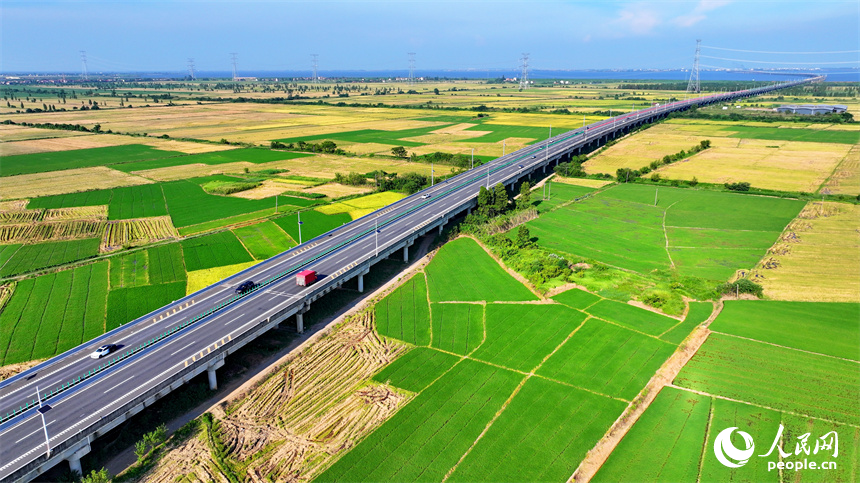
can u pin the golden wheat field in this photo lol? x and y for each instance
(66, 181)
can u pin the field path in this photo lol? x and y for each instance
(666, 235)
(595, 458)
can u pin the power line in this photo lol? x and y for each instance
(234, 59)
(411, 68)
(84, 64)
(315, 64)
(693, 85)
(787, 53)
(524, 76)
(782, 62)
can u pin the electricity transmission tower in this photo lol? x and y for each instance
(191, 68)
(411, 68)
(693, 84)
(234, 59)
(84, 64)
(315, 64)
(524, 76)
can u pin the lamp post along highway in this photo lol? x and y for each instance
(376, 233)
(43, 408)
(300, 227)
(473, 158)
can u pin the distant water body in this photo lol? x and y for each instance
(834, 75)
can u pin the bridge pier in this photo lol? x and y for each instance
(406, 251)
(300, 322)
(75, 460)
(210, 371)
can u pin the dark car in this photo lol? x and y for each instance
(245, 286)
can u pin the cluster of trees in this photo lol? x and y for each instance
(739, 186)
(351, 179)
(765, 116)
(572, 169)
(327, 147)
(625, 175)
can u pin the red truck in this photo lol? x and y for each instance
(306, 277)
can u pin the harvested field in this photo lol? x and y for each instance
(268, 189)
(59, 140)
(21, 216)
(127, 233)
(13, 205)
(846, 177)
(815, 259)
(97, 212)
(337, 190)
(303, 416)
(588, 183)
(66, 181)
(10, 133)
(50, 231)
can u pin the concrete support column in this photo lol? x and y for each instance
(300, 322)
(361, 283)
(406, 250)
(75, 465)
(441, 227)
(213, 381)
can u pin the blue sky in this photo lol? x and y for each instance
(143, 35)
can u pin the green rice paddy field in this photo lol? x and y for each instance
(704, 234)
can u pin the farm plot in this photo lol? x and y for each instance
(849, 450)
(215, 250)
(127, 304)
(129, 270)
(165, 263)
(426, 438)
(188, 204)
(484, 280)
(51, 231)
(577, 299)
(697, 314)
(358, 207)
(136, 202)
(71, 200)
(846, 177)
(541, 436)
(264, 240)
(632, 317)
(80, 158)
(457, 328)
(200, 279)
(6, 252)
(558, 193)
(98, 212)
(780, 378)
(404, 314)
(250, 155)
(313, 225)
(816, 258)
(52, 313)
(623, 227)
(762, 424)
(126, 233)
(607, 359)
(520, 336)
(416, 369)
(665, 444)
(43, 255)
(824, 328)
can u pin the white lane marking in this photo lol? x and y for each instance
(233, 320)
(183, 348)
(118, 384)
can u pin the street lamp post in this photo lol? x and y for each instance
(300, 227)
(43, 408)
(473, 158)
(376, 230)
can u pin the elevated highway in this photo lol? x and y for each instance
(166, 348)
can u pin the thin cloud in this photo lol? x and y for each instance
(698, 13)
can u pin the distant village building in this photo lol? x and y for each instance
(811, 109)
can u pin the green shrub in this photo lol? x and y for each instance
(303, 194)
(229, 187)
(743, 285)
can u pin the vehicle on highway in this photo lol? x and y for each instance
(103, 351)
(534, 156)
(424, 197)
(245, 286)
(306, 277)
(521, 166)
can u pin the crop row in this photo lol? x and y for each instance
(49, 254)
(51, 230)
(404, 314)
(123, 233)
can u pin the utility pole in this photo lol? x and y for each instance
(234, 59)
(503, 147)
(693, 85)
(524, 76)
(411, 68)
(656, 190)
(299, 214)
(84, 65)
(432, 174)
(315, 65)
(191, 68)
(473, 158)
(376, 230)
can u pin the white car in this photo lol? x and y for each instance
(102, 351)
(424, 197)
